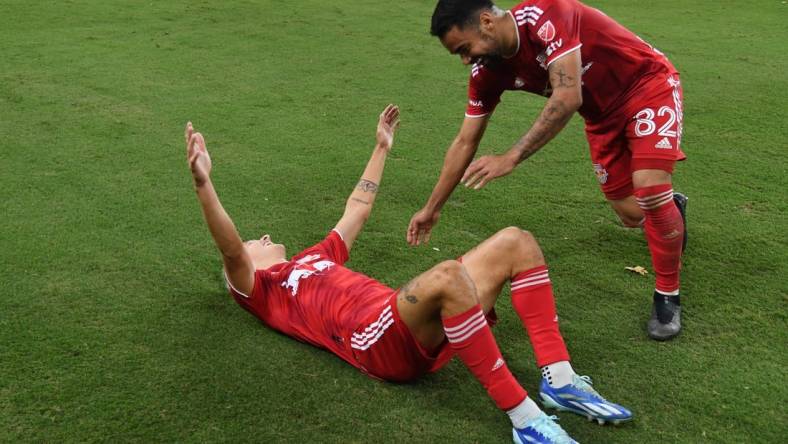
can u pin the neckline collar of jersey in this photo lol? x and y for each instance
(516, 32)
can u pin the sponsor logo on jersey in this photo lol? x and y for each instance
(528, 14)
(518, 82)
(476, 103)
(664, 144)
(475, 69)
(553, 47)
(601, 173)
(305, 267)
(542, 59)
(547, 32)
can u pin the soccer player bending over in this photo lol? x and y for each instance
(399, 335)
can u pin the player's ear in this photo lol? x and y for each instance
(486, 22)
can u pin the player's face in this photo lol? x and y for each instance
(264, 252)
(472, 45)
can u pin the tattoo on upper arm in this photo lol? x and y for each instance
(412, 299)
(560, 79)
(367, 186)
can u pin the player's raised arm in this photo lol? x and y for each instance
(457, 158)
(565, 100)
(359, 204)
(237, 262)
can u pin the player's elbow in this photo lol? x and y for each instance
(464, 144)
(570, 100)
(575, 100)
(358, 208)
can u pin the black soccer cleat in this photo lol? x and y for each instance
(681, 203)
(665, 322)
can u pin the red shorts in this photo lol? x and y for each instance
(385, 349)
(644, 134)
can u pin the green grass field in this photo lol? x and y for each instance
(114, 323)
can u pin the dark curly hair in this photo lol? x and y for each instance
(460, 13)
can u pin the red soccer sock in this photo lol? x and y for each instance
(664, 230)
(471, 339)
(532, 298)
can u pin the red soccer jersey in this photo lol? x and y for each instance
(314, 298)
(614, 59)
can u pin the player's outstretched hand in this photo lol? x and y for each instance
(197, 156)
(421, 225)
(387, 126)
(486, 168)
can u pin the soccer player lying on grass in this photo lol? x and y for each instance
(399, 335)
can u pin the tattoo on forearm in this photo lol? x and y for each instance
(367, 186)
(553, 118)
(359, 200)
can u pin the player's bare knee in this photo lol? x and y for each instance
(522, 245)
(454, 284)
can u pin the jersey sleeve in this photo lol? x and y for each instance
(554, 27)
(332, 247)
(484, 92)
(241, 298)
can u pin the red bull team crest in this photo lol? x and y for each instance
(601, 173)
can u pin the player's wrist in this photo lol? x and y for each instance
(514, 155)
(380, 146)
(201, 183)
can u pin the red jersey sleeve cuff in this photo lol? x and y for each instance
(341, 247)
(475, 116)
(561, 54)
(234, 290)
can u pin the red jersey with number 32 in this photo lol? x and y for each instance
(314, 298)
(614, 59)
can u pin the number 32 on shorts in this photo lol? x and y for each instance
(645, 125)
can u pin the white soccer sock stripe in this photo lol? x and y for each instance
(531, 284)
(656, 204)
(658, 196)
(533, 277)
(656, 200)
(454, 330)
(467, 333)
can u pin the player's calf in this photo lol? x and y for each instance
(664, 229)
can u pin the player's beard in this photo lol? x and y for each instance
(493, 58)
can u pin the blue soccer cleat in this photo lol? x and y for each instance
(542, 430)
(579, 397)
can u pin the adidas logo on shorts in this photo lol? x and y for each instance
(664, 144)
